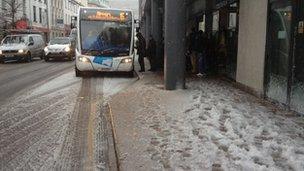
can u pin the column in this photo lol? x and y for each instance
(148, 25)
(143, 26)
(209, 16)
(175, 38)
(156, 29)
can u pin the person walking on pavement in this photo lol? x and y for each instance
(202, 49)
(151, 53)
(193, 49)
(141, 50)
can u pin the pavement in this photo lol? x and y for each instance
(209, 126)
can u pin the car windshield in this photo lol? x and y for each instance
(105, 38)
(14, 40)
(60, 41)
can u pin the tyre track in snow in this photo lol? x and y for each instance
(32, 124)
(22, 146)
(78, 152)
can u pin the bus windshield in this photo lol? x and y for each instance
(105, 38)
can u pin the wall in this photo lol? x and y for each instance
(252, 44)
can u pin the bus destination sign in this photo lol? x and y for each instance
(106, 15)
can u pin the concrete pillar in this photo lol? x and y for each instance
(148, 25)
(143, 27)
(156, 28)
(175, 38)
(209, 15)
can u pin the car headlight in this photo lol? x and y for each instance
(20, 51)
(126, 60)
(83, 59)
(67, 49)
(46, 49)
(0, 52)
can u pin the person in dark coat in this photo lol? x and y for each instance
(141, 51)
(202, 52)
(193, 47)
(151, 53)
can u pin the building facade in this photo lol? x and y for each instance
(52, 18)
(98, 3)
(70, 11)
(37, 15)
(257, 44)
(61, 16)
(31, 14)
(56, 18)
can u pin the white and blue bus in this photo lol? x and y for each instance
(104, 41)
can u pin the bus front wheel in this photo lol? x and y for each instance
(78, 73)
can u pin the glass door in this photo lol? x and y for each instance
(278, 50)
(297, 87)
(232, 41)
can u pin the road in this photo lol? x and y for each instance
(51, 120)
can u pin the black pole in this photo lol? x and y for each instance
(175, 38)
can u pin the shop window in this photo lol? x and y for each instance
(215, 23)
(234, 5)
(232, 20)
(201, 24)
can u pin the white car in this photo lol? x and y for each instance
(60, 48)
(21, 47)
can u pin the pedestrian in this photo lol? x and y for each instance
(222, 51)
(201, 51)
(141, 50)
(193, 49)
(151, 53)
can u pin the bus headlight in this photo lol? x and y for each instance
(126, 60)
(67, 49)
(20, 51)
(0, 52)
(83, 59)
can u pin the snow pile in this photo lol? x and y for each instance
(114, 85)
(215, 126)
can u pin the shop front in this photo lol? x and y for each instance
(225, 33)
(284, 72)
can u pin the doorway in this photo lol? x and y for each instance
(225, 28)
(284, 62)
(297, 81)
(279, 49)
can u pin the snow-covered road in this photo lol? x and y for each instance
(54, 122)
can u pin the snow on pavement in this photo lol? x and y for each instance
(214, 126)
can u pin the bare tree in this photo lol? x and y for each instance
(10, 11)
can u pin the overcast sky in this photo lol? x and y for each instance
(125, 4)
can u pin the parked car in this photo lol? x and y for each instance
(60, 48)
(21, 47)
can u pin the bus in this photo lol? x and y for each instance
(104, 41)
